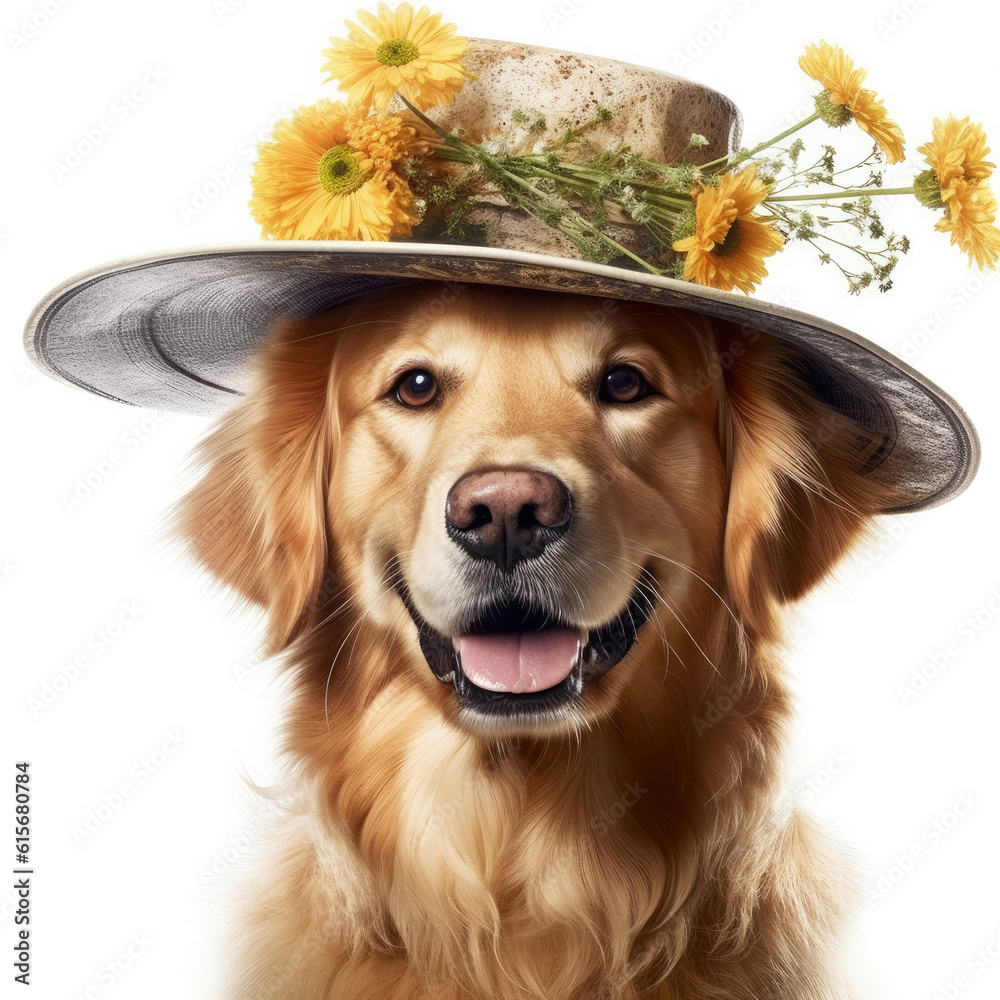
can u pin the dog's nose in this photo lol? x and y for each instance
(507, 514)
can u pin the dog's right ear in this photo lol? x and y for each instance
(257, 518)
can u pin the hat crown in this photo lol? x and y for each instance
(523, 99)
(654, 112)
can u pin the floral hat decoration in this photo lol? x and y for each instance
(471, 160)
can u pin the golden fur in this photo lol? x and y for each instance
(640, 848)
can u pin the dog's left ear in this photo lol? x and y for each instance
(804, 450)
(257, 518)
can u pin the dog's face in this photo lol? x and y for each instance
(539, 499)
(530, 476)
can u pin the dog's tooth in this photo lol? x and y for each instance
(576, 674)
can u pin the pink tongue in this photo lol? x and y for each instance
(518, 661)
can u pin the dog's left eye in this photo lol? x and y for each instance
(623, 384)
(416, 388)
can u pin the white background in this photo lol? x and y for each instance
(179, 675)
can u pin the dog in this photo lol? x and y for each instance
(524, 554)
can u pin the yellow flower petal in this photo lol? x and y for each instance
(969, 218)
(399, 50)
(830, 66)
(327, 174)
(957, 152)
(728, 247)
(870, 114)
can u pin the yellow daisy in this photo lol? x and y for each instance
(969, 217)
(957, 152)
(834, 69)
(728, 247)
(327, 174)
(412, 53)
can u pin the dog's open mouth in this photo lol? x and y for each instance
(517, 660)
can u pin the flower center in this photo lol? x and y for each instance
(339, 172)
(730, 243)
(396, 52)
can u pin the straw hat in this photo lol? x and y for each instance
(175, 330)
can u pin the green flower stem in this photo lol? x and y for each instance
(658, 195)
(469, 154)
(580, 185)
(657, 192)
(764, 145)
(664, 200)
(783, 135)
(586, 177)
(853, 193)
(855, 249)
(678, 201)
(446, 136)
(579, 219)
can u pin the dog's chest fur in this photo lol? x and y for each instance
(465, 870)
(486, 860)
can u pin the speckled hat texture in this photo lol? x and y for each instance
(655, 114)
(176, 330)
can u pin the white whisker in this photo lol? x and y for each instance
(392, 564)
(329, 676)
(646, 589)
(693, 572)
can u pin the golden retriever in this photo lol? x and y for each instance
(525, 553)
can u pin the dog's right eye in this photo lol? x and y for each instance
(623, 384)
(416, 388)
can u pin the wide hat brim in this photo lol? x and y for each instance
(176, 331)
